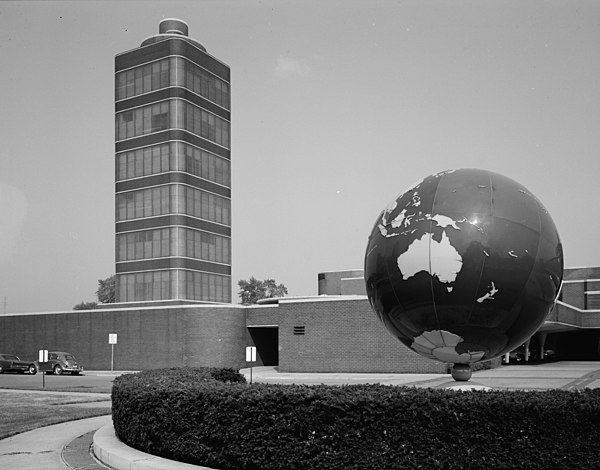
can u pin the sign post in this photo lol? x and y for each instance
(112, 340)
(43, 357)
(250, 357)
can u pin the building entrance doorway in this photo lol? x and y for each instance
(266, 340)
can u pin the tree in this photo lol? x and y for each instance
(106, 290)
(86, 306)
(252, 290)
(274, 290)
(105, 294)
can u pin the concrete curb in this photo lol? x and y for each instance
(110, 451)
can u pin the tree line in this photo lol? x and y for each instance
(251, 291)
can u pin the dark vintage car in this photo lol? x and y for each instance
(58, 362)
(12, 363)
(518, 356)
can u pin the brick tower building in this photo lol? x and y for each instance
(172, 171)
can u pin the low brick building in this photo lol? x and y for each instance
(147, 337)
(335, 331)
(325, 334)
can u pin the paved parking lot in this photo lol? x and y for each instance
(541, 376)
(89, 381)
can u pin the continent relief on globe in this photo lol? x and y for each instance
(424, 253)
(441, 345)
(442, 261)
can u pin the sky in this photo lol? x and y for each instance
(337, 106)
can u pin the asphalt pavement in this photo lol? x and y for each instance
(540, 376)
(67, 445)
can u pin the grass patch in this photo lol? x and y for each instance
(57, 384)
(22, 411)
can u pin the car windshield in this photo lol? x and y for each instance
(69, 357)
(10, 357)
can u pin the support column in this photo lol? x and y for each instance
(542, 337)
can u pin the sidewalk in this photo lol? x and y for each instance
(52, 446)
(42, 448)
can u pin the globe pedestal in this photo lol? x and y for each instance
(461, 372)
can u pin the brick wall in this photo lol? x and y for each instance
(330, 283)
(573, 293)
(591, 272)
(353, 286)
(215, 337)
(581, 288)
(148, 338)
(342, 335)
(262, 315)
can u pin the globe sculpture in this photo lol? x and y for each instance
(463, 267)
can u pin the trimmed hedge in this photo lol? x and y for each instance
(212, 418)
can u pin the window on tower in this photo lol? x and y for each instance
(143, 120)
(145, 78)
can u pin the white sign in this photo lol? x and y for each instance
(112, 338)
(43, 355)
(251, 354)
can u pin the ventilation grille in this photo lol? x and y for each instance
(299, 330)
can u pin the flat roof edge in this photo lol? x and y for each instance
(118, 309)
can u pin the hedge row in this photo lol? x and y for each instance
(194, 416)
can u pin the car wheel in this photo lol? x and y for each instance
(74, 373)
(32, 369)
(58, 370)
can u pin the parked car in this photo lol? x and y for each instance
(12, 363)
(58, 362)
(518, 355)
